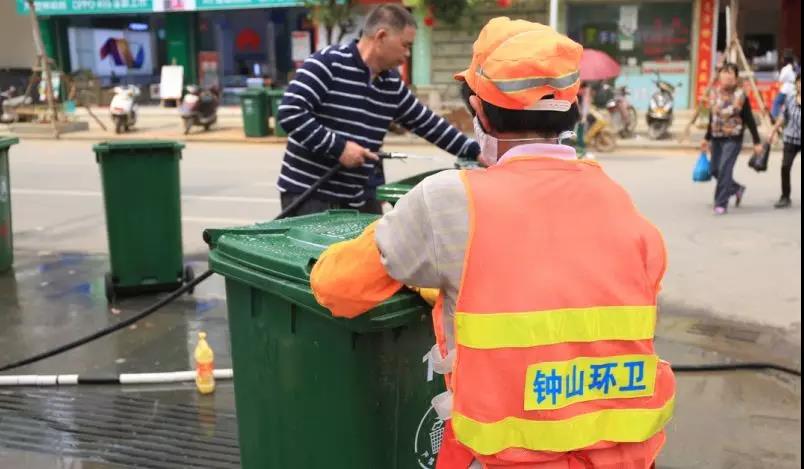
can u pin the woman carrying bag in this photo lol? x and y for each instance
(791, 119)
(730, 114)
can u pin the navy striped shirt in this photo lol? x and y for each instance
(332, 99)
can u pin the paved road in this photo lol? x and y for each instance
(745, 266)
(732, 293)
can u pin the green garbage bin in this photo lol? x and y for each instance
(313, 391)
(275, 99)
(253, 102)
(141, 194)
(6, 233)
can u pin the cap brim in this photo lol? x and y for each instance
(461, 76)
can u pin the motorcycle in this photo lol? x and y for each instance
(199, 108)
(123, 108)
(622, 114)
(660, 110)
(9, 102)
(600, 135)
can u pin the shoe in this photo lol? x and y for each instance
(720, 210)
(739, 196)
(784, 202)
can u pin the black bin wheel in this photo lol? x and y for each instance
(189, 276)
(111, 297)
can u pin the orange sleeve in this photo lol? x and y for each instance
(349, 278)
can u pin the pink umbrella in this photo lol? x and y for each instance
(597, 65)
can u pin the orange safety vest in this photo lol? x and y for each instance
(555, 319)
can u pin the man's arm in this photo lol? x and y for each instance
(352, 277)
(297, 111)
(422, 121)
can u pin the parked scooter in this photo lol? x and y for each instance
(660, 109)
(123, 108)
(199, 107)
(600, 135)
(622, 114)
(9, 102)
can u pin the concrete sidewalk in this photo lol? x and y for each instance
(156, 122)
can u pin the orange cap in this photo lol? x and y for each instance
(516, 63)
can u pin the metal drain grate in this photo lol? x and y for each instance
(118, 429)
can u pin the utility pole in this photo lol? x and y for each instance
(44, 64)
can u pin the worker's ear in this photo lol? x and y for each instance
(477, 105)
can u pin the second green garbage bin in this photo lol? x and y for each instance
(313, 391)
(253, 102)
(6, 232)
(141, 193)
(274, 100)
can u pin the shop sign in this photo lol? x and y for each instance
(706, 53)
(85, 7)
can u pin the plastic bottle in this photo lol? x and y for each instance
(204, 365)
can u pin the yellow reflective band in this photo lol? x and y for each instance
(554, 385)
(531, 329)
(581, 431)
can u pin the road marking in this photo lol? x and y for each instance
(189, 198)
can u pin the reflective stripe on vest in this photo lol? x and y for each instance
(498, 330)
(556, 314)
(620, 425)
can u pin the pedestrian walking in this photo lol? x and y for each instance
(729, 115)
(791, 137)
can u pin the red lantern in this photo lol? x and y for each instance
(429, 21)
(503, 3)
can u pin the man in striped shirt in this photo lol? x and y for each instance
(338, 109)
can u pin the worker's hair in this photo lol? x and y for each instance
(388, 16)
(509, 120)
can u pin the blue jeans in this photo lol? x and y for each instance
(724, 156)
(778, 102)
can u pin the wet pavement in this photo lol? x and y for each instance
(741, 302)
(743, 419)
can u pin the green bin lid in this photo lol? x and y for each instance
(274, 92)
(278, 257)
(393, 191)
(253, 92)
(6, 142)
(136, 146)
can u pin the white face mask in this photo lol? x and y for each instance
(488, 144)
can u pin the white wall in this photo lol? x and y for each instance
(16, 40)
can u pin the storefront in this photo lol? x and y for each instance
(229, 43)
(649, 39)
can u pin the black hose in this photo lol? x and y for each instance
(708, 368)
(116, 327)
(289, 210)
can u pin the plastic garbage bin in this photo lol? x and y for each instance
(6, 233)
(275, 99)
(253, 103)
(313, 391)
(141, 194)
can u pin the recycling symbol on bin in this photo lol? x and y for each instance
(428, 440)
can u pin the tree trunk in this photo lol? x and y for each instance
(44, 63)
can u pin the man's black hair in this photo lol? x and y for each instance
(509, 120)
(389, 16)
